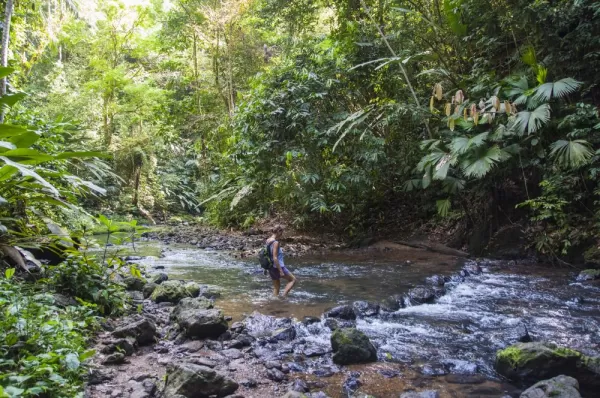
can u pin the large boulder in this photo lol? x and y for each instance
(192, 289)
(159, 278)
(558, 387)
(342, 312)
(148, 289)
(532, 362)
(196, 381)
(421, 295)
(141, 329)
(365, 308)
(197, 318)
(352, 346)
(169, 292)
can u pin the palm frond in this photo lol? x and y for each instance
(531, 121)
(479, 166)
(557, 89)
(571, 154)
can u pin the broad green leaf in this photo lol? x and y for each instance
(86, 355)
(72, 361)
(27, 156)
(70, 155)
(13, 391)
(9, 273)
(6, 172)
(5, 71)
(8, 130)
(25, 140)
(11, 99)
(27, 172)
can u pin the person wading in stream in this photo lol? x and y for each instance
(278, 270)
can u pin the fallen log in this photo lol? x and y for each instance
(433, 247)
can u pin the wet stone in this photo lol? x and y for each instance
(300, 386)
(435, 280)
(309, 320)
(388, 373)
(351, 384)
(365, 309)
(314, 350)
(345, 312)
(273, 365)
(248, 383)
(116, 358)
(324, 371)
(203, 361)
(275, 375)
(232, 353)
(465, 379)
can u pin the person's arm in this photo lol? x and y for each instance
(274, 253)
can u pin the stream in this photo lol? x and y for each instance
(456, 335)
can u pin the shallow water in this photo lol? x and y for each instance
(458, 334)
(323, 280)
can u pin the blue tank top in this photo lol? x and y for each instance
(279, 254)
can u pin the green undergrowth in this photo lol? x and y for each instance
(43, 346)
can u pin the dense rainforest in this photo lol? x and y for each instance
(475, 121)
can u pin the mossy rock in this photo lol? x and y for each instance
(589, 275)
(352, 346)
(169, 291)
(533, 362)
(192, 289)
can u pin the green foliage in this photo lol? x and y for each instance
(43, 346)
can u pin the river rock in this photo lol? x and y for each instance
(294, 394)
(125, 345)
(300, 386)
(472, 268)
(284, 334)
(192, 289)
(342, 312)
(352, 346)
(558, 387)
(197, 318)
(420, 394)
(421, 295)
(275, 375)
(309, 320)
(148, 289)
(116, 358)
(142, 330)
(170, 292)
(364, 308)
(435, 280)
(159, 278)
(209, 292)
(392, 303)
(133, 283)
(532, 362)
(588, 275)
(196, 381)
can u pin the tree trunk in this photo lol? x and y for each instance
(5, 40)
(136, 185)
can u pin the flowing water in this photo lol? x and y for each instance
(458, 334)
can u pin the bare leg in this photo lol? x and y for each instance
(276, 286)
(291, 282)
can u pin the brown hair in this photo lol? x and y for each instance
(277, 228)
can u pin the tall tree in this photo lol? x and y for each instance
(8, 11)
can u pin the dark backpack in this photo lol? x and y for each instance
(265, 257)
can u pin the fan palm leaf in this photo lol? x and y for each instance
(571, 154)
(482, 163)
(531, 121)
(557, 89)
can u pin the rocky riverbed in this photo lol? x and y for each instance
(438, 338)
(244, 244)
